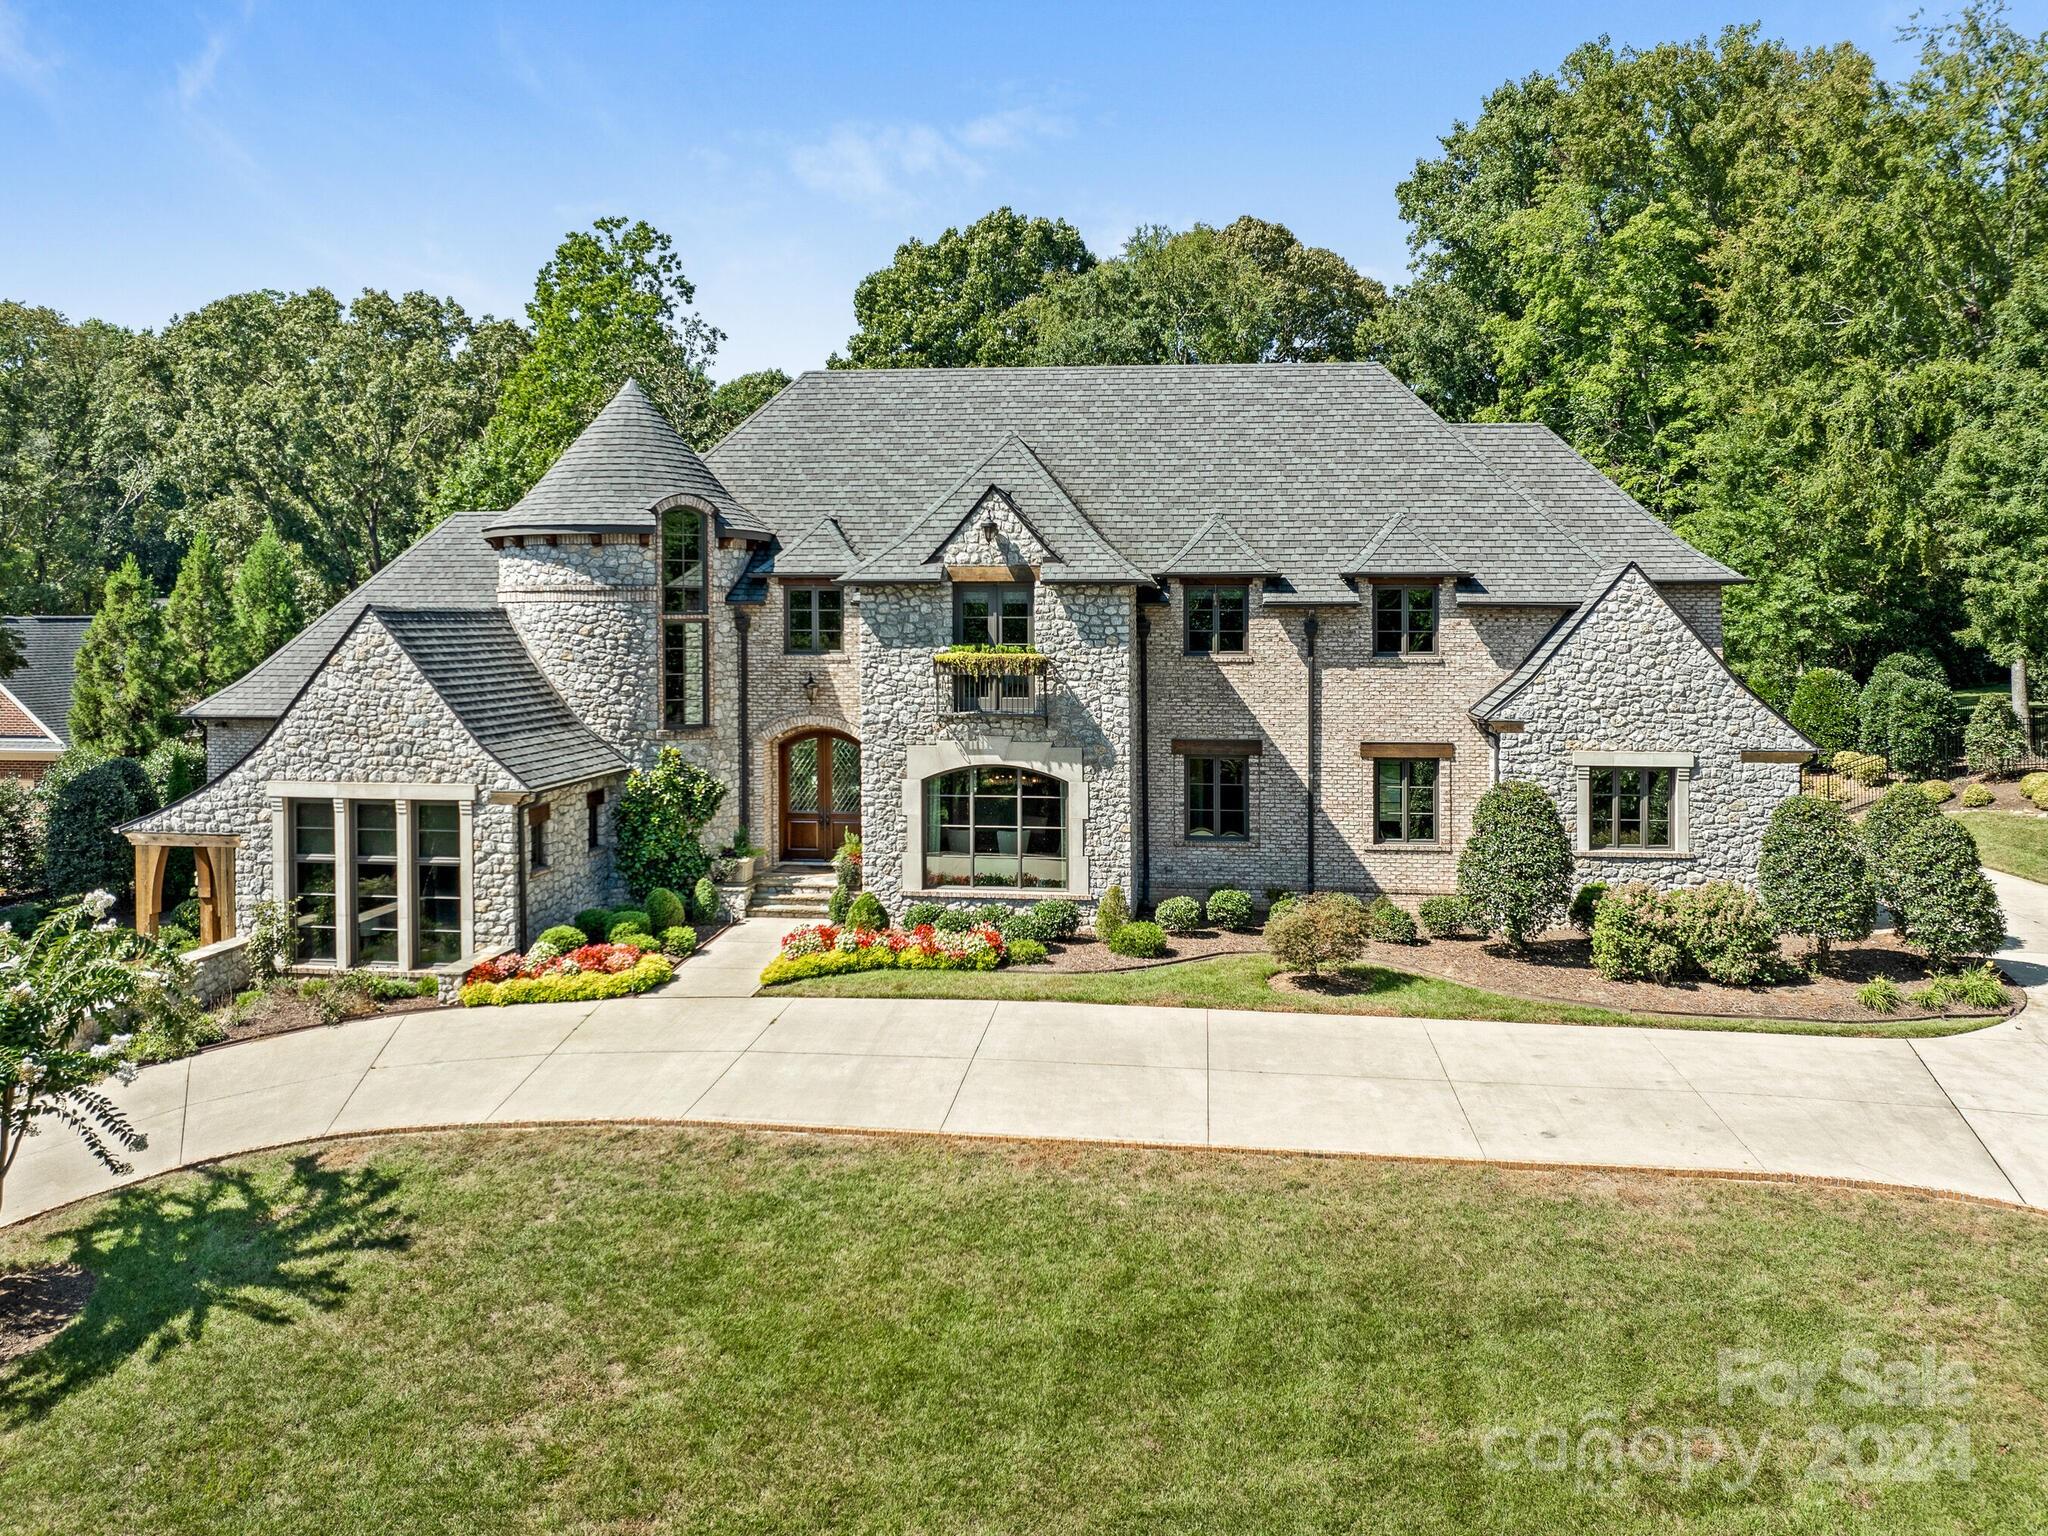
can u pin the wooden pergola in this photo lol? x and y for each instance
(214, 855)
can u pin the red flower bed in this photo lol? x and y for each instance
(609, 959)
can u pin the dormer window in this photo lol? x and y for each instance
(1403, 621)
(1216, 620)
(685, 619)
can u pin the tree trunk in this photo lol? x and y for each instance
(2019, 696)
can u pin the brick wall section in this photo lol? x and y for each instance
(1263, 695)
(781, 707)
(229, 741)
(1699, 604)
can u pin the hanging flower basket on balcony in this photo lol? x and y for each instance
(991, 660)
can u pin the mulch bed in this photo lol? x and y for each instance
(2005, 795)
(35, 1305)
(285, 1013)
(1559, 969)
(1088, 954)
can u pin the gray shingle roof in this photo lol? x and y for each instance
(49, 666)
(1314, 459)
(1076, 548)
(1599, 513)
(475, 660)
(821, 550)
(1399, 550)
(620, 468)
(1217, 549)
(452, 567)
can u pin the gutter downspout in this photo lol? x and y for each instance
(1143, 880)
(1309, 626)
(742, 621)
(519, 872)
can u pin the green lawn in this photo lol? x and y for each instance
(2010, 841)
(635, 1329)
(1240, 981)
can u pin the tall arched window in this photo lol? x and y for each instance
(995, 826)
(685, 619)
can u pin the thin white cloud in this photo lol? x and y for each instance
(19, 61)
(886, 168)
(195, 75)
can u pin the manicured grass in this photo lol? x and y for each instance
(2010, 841)
(668, 1328)
(1241, 981)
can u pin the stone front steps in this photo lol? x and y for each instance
(797, 893)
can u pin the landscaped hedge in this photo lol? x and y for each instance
(1231, 909)
(1718, 929)
(1179, 914)
(1138, 941)
(650, 970)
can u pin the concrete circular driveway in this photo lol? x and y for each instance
(1967, 1114)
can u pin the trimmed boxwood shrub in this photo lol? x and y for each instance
(81, 849)
(1056, 918)
(1895, 813)
(585, 986)
(1027, 952)
(1823, 708)
(1994, 741)
(1814, 874)
(1389, 923)
(627, 920)
(1926, 728)
(953, 920)
(1111, 913)
(1179, 914)
(1939, 791)
(1724, 931)
(593, 923)
(2034, 788)
(1874, 710)
(839, 906)
(1636, 935)
(991, 914)
(922, 913)
(665, 910)
(1138, 940)
(564, 937)
(1977, 796)
(705, 900)
(867, 912)
(1230, 909)
(1315, 932)
(1443, 917)
(1586, 905)
(1515, 872)
(679, 942)
(1021, 923)
(1947, 910)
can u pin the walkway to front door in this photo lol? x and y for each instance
(820, 794)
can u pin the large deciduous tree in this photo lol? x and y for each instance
(611, 304)
(733, 402)
(962, 300)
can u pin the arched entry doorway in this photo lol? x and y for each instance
(820, 793)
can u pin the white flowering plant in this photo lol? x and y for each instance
(74, 995)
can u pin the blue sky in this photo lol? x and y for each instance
(155, 157)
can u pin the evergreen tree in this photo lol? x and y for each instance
(267, 610)
(121, 702)
(199, 624)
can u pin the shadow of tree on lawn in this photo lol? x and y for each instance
(170, 1257)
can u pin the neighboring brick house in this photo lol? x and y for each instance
(1278, 627)
(35, 699)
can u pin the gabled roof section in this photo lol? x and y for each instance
(1592, 508)
(1077, 550)
(476, 662)
(451, 567)
(624, 466)
(1399, 549)
(1217, 549)
(820, 550)
(21, 731)
(41, 685)
(1309, 589)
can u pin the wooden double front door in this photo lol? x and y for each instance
(820, 794)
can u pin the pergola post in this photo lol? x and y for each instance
(213, 859)
(150, 859)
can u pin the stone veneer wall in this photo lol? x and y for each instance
(1262, 695)
(1086, 630)
(368, 716)
(1632, 678)
(577, 876)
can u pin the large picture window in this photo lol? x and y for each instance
(995, 826)
(1219, 799)
(816, 621)
(437, 880)
(992, 613)
(313, 894)
(1216, 620)
(1630, 807)
(685, 619)
(1404, 621)
(1404, 794)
